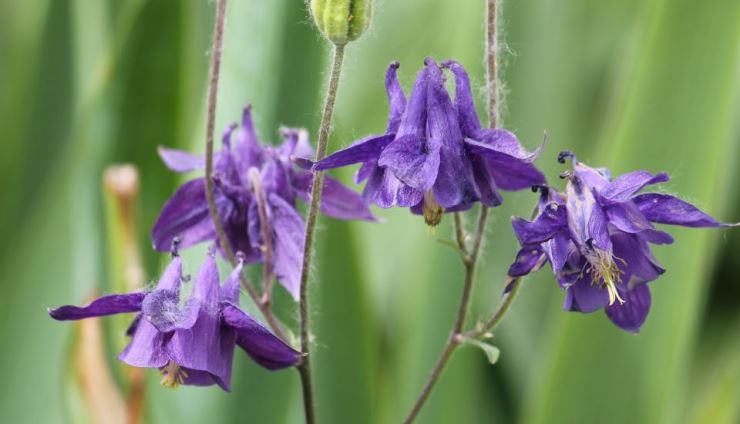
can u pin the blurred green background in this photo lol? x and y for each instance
(624, 83)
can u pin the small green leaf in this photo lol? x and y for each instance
(491, 351)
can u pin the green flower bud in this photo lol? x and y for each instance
(341, 21)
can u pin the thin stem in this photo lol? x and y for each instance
(470, 259)
(460, 234)
(259, 194)
(471, 262)
(218, 36)
(503, 309)
(432, 380)
(454, 341)
(491, 63)
(313, 211)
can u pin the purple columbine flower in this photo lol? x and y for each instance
(596, 237)
(186, 215)
(434, 156)
(191, 343)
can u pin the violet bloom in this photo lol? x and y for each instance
(186, 215)
(596, 237)
(190, 343)
(434, 156)
(382, 188)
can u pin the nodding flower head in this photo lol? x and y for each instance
(597, 237)
(434, 156)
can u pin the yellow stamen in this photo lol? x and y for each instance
(432, 211)
(604, 270)
(172, 375)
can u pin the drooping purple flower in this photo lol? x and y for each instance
(191, 343)
(186, 215)
(382, 188)
(434, 156)
(596, 237)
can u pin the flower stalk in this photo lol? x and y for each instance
(218, 35)
(259, 194)
(471, 254)
(313, 211)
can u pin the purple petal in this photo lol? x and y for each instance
(667, 209)
(162, 309)
(396, 98)
(204, 378)
(636, 261)
(248, 152)
(258, 342)
(172, 276)
(413, 160)
(338, 201)
(185, 215)
(509, 172)
(597, 178)
(625, 186)
(102, 306)
(543, 228)
(385, 190)
(485, 183)
(278, 177)
(454, 183)
(558, 251)
(628, 218)
(295, 148)
(588, 297)
(528, 260)
(147, 347)
(411, 157)
(162, 306)
(288, 229)
(205, 347)
(363, 150)
(414, 119)
(179, 160)
(506, 142)
(133, 326)
(464, 104)
(230, 288)
(206, 287)
(632, 314)
(365, 170)
(586, 219)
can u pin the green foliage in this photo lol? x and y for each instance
(627, 84)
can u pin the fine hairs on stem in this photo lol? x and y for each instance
(218, 36)
(471, 254)
(313, 211)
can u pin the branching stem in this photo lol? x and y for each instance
(218, 36)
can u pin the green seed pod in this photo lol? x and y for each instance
(341, 21)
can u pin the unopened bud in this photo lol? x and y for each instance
(341, 21)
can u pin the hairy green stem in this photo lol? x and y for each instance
(313, 212)
(218, 37)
